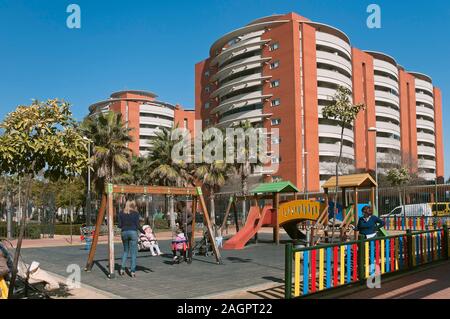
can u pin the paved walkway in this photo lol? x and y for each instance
(431, 283)
(258, 264)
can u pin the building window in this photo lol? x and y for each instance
(185, 123)
(275, 102)
(274, 64)
(207, 89)
(206, 105)
(274, 46)
(275, 83)
(206, 122)
(276, 121)
(207, 74)
(276, 140)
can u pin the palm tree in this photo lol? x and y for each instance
(165, 170)
(246, 165)
(110, 137)
(213, 176)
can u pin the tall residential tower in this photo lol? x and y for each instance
(280, 71)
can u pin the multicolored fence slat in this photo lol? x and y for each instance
(332, 265)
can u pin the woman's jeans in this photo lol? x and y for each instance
(129, 240)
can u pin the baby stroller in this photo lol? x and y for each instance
(203, 247)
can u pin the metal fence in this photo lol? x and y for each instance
(416, 222)
(329, 266)
(391, 198)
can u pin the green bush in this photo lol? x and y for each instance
(161, 224)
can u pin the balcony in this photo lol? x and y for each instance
(388, 127)
(155, 121)
(425, 137)
(386, 67)
(424, 85)
(334, 59)
(387, 97)
(334, 77)
(382, 80)
(387, 142)
(334, 131)
(326, 149)
(238, 66)
(387, 112)
(334, 42)
(425, 124)
(423, 110)
(421, 97)
(240, 83)
(422, 163)
(427, 176)
(426, 150)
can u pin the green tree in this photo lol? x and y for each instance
(165, 170)
(42, 137)
(245, 162)
(398, 178)
(342, 110)
(110, 137)
(213, 176)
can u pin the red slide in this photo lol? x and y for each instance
(252, 226)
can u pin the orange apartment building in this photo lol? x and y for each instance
(279, 71)
(145, 115)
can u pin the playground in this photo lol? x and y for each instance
(296, 244)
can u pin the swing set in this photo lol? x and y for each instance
(107, 206)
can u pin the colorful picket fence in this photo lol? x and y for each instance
(416, 223)
(318, 268)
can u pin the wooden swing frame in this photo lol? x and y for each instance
(107, 206)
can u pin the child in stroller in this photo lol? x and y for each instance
(179, 245)
(148, 242)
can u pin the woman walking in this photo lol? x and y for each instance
(129, 224)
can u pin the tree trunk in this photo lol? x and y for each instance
(336, 193)
(172, 213)
(212, 211)
(9, 217)
(244, 178)
(19, 241)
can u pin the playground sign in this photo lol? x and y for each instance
(298, 209)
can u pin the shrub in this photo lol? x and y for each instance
(161, 224)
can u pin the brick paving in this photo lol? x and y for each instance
(431, 283)
(257, 264)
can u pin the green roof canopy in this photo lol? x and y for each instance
(278, 187)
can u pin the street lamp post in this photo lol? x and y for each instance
(374, 129)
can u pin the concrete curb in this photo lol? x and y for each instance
(105, 294)
(220, 295)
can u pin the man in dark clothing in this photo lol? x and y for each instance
(184, 220)
(368, 225)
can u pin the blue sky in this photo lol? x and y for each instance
(153, 45)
